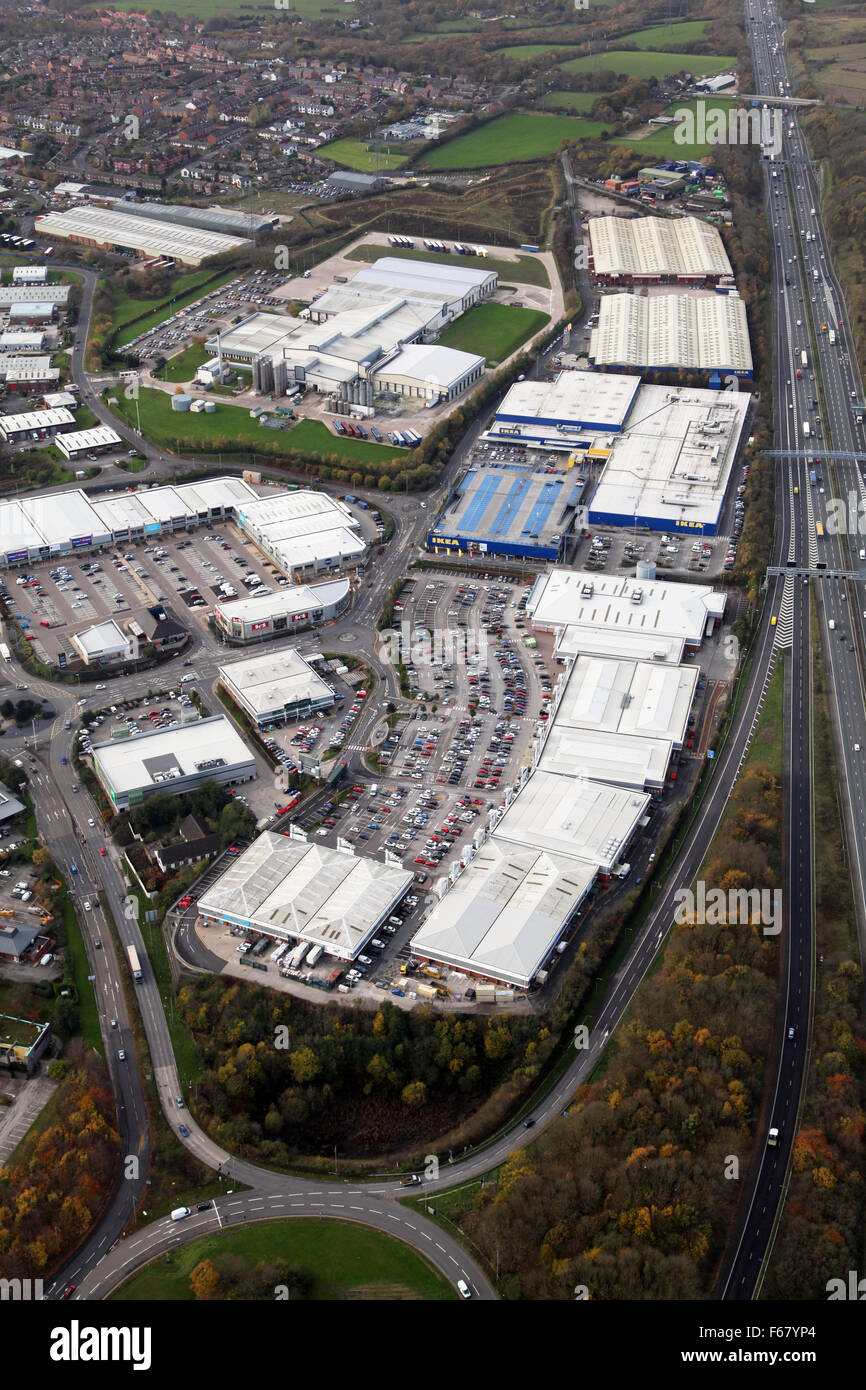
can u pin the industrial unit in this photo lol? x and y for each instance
(501, 916)
(35, 424)
(667, 332)
(112, 230)
(24, 376)
(367, 337)
(664, 250)
(290, 889)
(172, 760)
(276, 689)
(26, 292)
(292, 609)
(99, 440)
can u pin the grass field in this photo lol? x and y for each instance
(649, 64)
(345, 1261)
(493, 331)
(185, 290)
(534, 50)
(570, 101)
(509, 138)
(667, 36)
(184, 366)
(525, 270)
(230, 428)
(355, 154)
(661, 143)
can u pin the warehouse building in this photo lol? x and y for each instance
(21, 293)
(22, 340)
(504, 914)
(567, 413)
(618, 721)
(30, 275)
(506, 511)
(675, 333)
(671, 468)
(276, 689)
(99, 440)
(103, 644)
(246, 225)
(172, 760)
(25, 376)
(304, 533)
(656, 250)
(35, 424)
(292, 890)
(292, 609)
(31, 313)
(368, 335)
(111, 230)
(428, 373)
(577, 601)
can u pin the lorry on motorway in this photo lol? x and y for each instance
(134, 963)
(804, 358)
(5, 652)
(832, 336)
(813, 477)
(806, 428)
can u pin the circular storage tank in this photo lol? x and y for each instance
(210, 407)
(646, 569)
(181, 402)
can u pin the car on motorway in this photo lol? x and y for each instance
(528, 1124)
(121, 1055)
(103, 851)
(87, 905)
(463, 1289)
(69, 1290)
(183, 1131)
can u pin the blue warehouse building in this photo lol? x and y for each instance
(507, 511)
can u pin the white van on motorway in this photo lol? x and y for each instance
(179, 1213)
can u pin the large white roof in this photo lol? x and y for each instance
(103, 226)
(645, 698)
(573, 817)
(267, 683)
(99, 437)
(35, 420)
(589, 400)
(651, 247)
(61, 517)
(673, 463)
(641, 646)
(706, 332)
(295, 598)
(451, 281)
(665, 610)
(621, 759)
(294, 888)
(154, 759)
(505, 912)
(441, 367)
